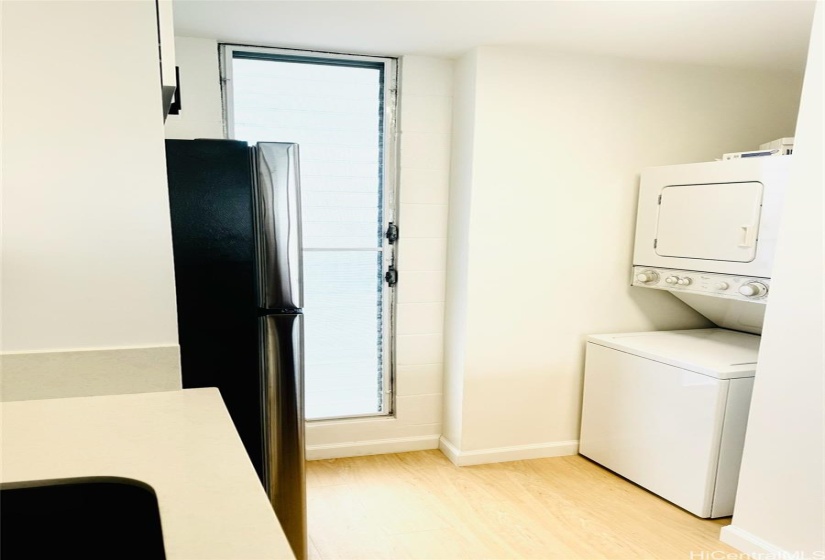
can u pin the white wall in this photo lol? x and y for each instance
(425, 107)
(87, 252)
(558, 141)
(461, 185)
(780, 505)
(200, 117)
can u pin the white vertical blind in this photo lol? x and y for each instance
(333, 112)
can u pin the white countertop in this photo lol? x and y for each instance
(181, 443)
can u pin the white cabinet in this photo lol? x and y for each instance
(166, 43)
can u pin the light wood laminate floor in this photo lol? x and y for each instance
(419, 505)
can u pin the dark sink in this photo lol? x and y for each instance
(89, 519)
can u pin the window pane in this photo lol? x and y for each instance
(334, 113)
(343, 332)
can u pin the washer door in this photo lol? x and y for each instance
(717, 222)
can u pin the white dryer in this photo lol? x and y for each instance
(718, 216)
(668, 410)
(707, 233)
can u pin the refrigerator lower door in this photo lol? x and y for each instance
(283, 416)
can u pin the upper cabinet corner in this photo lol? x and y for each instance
(166, 44)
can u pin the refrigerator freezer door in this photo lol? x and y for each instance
(278, 213)
(283, 406)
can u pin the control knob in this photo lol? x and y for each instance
(647, 276)
(753, 289)
(672, 279)
(722, 286)
(684, 281)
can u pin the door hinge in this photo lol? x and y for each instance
(660, 200)
(392, 233)
(655, 243)
(391, 276)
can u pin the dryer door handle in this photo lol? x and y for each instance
(748, 236)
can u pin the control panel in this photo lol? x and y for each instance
(742, 288)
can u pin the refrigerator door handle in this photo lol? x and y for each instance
(278, 225)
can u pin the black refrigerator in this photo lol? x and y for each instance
(236, 235)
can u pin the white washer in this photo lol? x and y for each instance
(668, 410)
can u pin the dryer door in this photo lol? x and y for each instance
(717, 222)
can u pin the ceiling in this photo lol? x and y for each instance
(771, 34)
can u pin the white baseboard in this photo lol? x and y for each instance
(371, 447)
(752, 545)
(503, 454)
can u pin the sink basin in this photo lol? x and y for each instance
(89, 519)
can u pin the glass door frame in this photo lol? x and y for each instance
(388, 178)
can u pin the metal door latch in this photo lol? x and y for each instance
(392, 233)
(391, 276)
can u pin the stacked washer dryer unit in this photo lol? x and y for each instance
(707, 233)
(668, 410)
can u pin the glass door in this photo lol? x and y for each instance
(339, 109)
